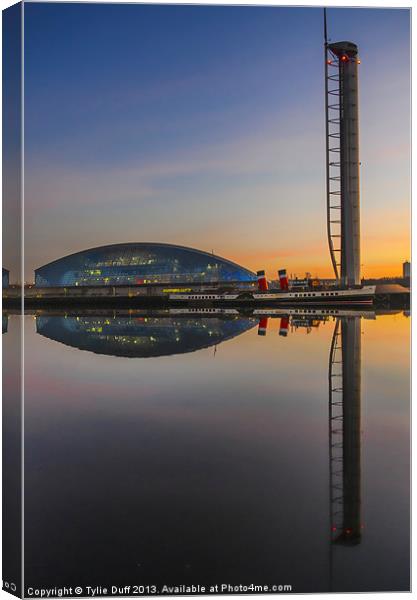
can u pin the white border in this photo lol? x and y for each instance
(352, 4)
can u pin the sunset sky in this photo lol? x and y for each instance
(204, 126)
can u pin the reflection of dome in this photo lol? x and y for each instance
(143, 336)
(130, 264)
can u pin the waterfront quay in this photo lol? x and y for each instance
(156, 295)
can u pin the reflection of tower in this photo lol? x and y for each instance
(344, 431)
(342, 152)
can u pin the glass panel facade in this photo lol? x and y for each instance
(134, 264)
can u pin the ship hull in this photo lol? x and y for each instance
(353, 297)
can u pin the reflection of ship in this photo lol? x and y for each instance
(141, 336)
(307, 319)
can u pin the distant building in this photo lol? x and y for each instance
(140, 263)
(406, 269)
(5, 279)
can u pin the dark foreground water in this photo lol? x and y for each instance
(171, 450)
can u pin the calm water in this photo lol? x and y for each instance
(187, 449)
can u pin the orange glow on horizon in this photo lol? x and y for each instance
(382, 253)
(371, 269)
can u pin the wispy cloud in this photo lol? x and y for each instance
(277, 154)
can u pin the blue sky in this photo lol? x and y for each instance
(204, 126)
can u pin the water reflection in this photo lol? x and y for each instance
(345, 431)
(344, 376)
(148, 335)
(250, 468)
(151, 333)
(142, 336)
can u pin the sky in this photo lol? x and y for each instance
(204, 126)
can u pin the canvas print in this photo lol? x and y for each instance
(206, 299)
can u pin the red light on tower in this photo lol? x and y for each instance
(358, 61)
(344, 58)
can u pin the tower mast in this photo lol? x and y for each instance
(342, 159)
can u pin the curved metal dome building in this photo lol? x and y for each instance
(139, 263)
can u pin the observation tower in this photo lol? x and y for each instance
(342, 159)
